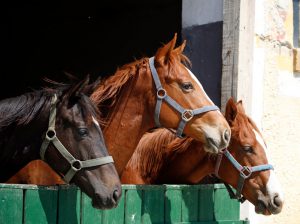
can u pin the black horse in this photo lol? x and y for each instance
(60, 126)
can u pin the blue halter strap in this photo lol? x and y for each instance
(245, 173)
(186, 114)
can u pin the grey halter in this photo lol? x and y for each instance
(75, 164)
(186, 114)
(245, 173)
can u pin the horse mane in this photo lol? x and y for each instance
(106, 95)
(23, 109)
(163, 142)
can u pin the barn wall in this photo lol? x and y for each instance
(276, 101)
(202, 29)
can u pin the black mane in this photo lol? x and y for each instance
(23, 109)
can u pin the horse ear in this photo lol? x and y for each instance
(89, 89)
(180, 49)
(165, 51)
(230, 111)
(240, 107)
(75, 92)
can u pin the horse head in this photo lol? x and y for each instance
(78, 149)
(181, 102)
(246, 167)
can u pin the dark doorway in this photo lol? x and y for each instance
(45, 39)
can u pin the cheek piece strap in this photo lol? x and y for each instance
(75, 164)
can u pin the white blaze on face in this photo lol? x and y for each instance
(201, 87)
(96, 122)
(273, 186)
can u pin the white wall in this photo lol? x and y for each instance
(276, 102)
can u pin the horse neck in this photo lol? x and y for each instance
(130, 118)
(188, 167)
(20, 144)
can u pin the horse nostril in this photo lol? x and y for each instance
(226, 136)
(276, 201)
(116, 195)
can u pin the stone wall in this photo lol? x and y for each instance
(278, 102)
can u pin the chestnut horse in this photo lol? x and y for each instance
(162, 159)
(160, 91)
(59, 125)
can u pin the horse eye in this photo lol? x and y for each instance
(83, 132)
(248, 149)
(187, 86)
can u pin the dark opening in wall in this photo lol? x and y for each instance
(45, 39)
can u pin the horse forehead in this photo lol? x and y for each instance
(199, 84)
(79, 113)
(95, 121)
(260, 140)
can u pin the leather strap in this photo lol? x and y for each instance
(75, 165)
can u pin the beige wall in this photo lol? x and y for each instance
(276, 101)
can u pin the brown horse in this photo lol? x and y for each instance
(153, 92)
(59, 125)
(161, 158)
(36, 172)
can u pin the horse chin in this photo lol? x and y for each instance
(98, 204)
(259, 209)
(211, 148)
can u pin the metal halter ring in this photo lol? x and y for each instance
(75, 162)
(50, 134)
(187, 115)
(161, 93)
(246, 172)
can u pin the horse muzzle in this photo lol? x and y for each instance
(216, 140)
(271, 204)
(100, 201)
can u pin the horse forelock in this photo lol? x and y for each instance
(88, 109)
(175, 59)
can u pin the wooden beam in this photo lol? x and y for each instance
(237, 52)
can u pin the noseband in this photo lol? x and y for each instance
(186, 114)
(245, 173)
(75, 164)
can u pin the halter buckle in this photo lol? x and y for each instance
(76, 165)
(50, 134)
(246, 172)
(161, 93)
(187, 115)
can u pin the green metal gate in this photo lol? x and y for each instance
(201, 204)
